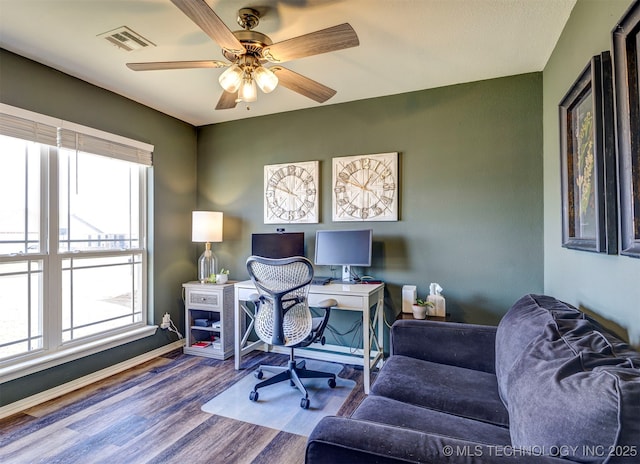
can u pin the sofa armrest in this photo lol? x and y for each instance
(341, 439)
(464, 345)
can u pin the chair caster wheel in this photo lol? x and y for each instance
(253, 396)
(323, 340)
(258, 374)
(332, 383)
(304, 403)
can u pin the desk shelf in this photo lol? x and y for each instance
(205, 329)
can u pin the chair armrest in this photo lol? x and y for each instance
(464, 345)
(341, 439)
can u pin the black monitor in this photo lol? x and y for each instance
(278, 245)
(344, 248)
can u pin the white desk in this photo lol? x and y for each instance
(358, 297)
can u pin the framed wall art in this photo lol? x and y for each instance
(626, 58)
(365, 187)
(587, 148)
(291, 193)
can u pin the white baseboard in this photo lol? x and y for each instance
(60, 390)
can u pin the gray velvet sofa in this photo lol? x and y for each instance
(548, 385)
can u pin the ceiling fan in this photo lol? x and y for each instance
(248, 50)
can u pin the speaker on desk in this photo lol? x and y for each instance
(409, 295)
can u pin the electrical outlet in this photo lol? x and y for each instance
(166, 321)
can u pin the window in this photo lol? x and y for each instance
(21, 245)
(72, 236)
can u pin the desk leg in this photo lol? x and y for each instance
(380, 313)
(237, 335)
(373, 338)
(242, 331)
(366, 347)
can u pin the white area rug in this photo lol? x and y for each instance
(278, 406)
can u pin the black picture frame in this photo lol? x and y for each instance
(587, 160)
(626, 59)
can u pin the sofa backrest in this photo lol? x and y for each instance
(568, 383)
(519, 327)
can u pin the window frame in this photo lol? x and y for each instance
(54, 350)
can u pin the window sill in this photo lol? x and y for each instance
(66, 354)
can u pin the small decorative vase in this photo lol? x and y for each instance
(221, 278)
(419, 312)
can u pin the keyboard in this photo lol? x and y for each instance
(320, 280)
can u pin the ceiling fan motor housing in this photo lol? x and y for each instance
(253, 41)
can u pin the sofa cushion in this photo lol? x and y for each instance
(575, 385)
(450, 389)
(391, 412)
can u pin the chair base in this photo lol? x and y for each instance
(292, 372)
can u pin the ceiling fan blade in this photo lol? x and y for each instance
(227, 100)
(201, 13)
(323, 41)
(157, 65)
(303, 85)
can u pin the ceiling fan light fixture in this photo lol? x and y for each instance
(231, 79)
(248, 91)
(266, 79)
(247, 49)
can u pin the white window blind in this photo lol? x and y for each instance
(33, 131)
(90, 144)
(27, 125)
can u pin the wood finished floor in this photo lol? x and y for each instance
(151, 414)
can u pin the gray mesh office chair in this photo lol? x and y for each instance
(283, 318)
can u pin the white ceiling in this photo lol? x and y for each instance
(405, 45)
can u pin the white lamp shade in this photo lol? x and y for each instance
(266, 79)
(231, 79)
(206, 226)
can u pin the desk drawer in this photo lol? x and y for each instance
(344, 301)
(211, 300)
(243, 294)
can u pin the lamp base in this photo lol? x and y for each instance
(206, 264)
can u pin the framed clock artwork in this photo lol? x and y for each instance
(291, 193)
(365, 187)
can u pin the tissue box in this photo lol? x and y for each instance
(409, 294)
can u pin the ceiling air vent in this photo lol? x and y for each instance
(126, 39)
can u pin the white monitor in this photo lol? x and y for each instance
(344, 248)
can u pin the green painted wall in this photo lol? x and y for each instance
(34, 87)
(606, 285)
(470, 186)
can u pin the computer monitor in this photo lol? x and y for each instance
(344, 248)
(278, 245)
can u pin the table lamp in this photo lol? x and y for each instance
(206, 227)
